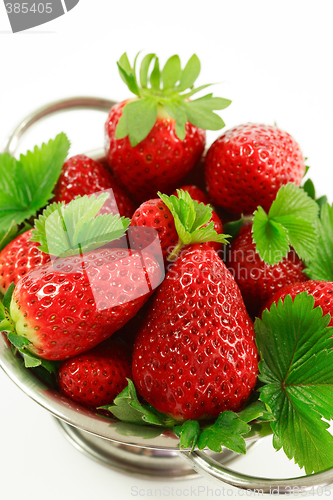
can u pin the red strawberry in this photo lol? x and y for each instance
(322, 292)
(195, 193)
(154, 140)
(79, 301)
(157, 215)
(257, 280)
(248, 164)
(96, 377)
(18, 258)
(195, 354)
(82, 175)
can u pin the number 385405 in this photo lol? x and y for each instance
(24, 8)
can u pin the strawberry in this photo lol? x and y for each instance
(195, 354)
(248, 164)
(18, 258)
(155, 139)
(169, 217)
(195, 193)
(81, 175)
(257, 280)
(87, 293)
(322, 292)
(96, 377)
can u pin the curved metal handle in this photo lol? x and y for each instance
(216, 472)
(92, 103)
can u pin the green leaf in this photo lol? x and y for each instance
(26, 185)
(140, 116)
(128, 74)
(171, 72)
(33, 361)
(146, 61)
(8, 296)
(18, 341)
(188, 433)
(291, 221)
(310, 189)
(199, 112)
(296, 349)
(227, 431)
(127, 408)
(254, 411)
(321, 201)
(192, 220)
(74, 228)
(320, 264)
(233, 228)
(189, 74)
(155, 77)
(179, 115)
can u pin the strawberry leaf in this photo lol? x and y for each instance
(26, 185)
(310, 189)
(296, 348)
(320, 265)
(127, 408)
(188, 434)
(232, 228)
(74, 228)
(227, 431)
(291, 221)
(8, 296)
(192, 220)
(164, 89)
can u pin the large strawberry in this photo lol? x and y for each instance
(81, 175)
(155, 139)
(78, 300)
(322, 292)
(195, 354)
(248, 164)
(179, 221)
(96, 377)
(257, 280)
(18, 258)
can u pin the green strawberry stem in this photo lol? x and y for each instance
(165, 88)
(192, 221)
(76, 228)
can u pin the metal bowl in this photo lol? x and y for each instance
(138, 450)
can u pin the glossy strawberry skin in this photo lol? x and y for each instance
(322, 292)
(68, 307)
(18, 258)
(258, 281)
(96, 377)
(195, 354)
(82, 175)
(248, 164)
(159, 162)
(195, 193)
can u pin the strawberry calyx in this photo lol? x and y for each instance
(165, 89)
(72, 229)
(192, 221)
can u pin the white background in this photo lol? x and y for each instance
(272, 58)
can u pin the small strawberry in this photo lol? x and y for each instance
(96, 377)
(322, 292)
(155, 139)
(18, 258)
(248, 164)
(86, 294)
(179, 221)
(258, 281)
(195, 354)
(81, 175)
(195, 193)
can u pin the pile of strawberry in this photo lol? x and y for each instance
(217, 333)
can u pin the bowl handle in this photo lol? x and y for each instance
(73, 103)
(319, 483)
